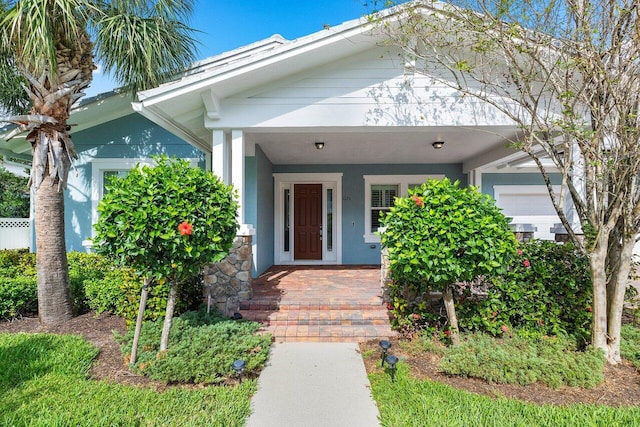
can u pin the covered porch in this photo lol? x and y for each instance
(318, 135)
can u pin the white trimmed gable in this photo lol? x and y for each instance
(367, 89)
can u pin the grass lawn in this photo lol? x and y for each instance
(412, 402)
(44, 382)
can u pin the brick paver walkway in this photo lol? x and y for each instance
(319, 303)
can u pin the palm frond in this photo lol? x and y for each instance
(13, 98)
(142, 43)
(35, 31)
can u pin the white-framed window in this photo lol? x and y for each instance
(103, 169)
(380, 192)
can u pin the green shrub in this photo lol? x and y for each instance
(18, 268)
(109, 293)
(203, 348)
(546, 289)
(96, 283)
(18, 296)
(167, 221)
(17, 262)
(84, 267)
(118, 292)
(441, 234)
(630, 344)
(14, 195)
(18, 284)
(523, 360)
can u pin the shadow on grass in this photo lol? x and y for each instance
(24, 357)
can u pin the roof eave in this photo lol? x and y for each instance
(197, 82)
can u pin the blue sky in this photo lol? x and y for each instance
(226, 25)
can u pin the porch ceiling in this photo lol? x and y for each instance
(384, 145)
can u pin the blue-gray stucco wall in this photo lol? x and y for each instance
(354, 248)
(132, 136)
(259, 198)
(534, 178)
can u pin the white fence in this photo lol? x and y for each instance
(15, 233)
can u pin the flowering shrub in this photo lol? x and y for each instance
(167, 221)
(545, 290)
(439, 235)
(185, 229)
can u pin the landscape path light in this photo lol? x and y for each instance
(392, 361)
(239, 366)
(385, 346)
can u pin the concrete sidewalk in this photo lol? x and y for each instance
(313, 385)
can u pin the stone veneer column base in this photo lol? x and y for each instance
(229, 281)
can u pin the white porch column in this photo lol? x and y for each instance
(578, 176)
(237, 169)
(219, 150)
(569, 208)
(475, 178)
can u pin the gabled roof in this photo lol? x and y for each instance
(337, 41)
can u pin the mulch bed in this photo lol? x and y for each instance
(621, 386)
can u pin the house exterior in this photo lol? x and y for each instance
(316, 134)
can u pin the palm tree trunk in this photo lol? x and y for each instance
(54, 296)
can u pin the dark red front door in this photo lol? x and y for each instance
(307, 241)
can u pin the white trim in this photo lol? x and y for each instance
(522, 189)
(98, 166)
(475, 178)
(284, 181)
(543, 223)
(402, 181)
(237, 169)
(219, 148)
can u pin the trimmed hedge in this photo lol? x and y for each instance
(96, 284)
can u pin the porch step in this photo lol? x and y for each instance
(337, 320)
(318, 317)
(319, 303)
(329, 333)
(269, 304)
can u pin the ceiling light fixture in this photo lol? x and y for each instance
(319, 145)
(437, 144)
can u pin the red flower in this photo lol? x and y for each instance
(185, 229)
(589, 309)
(389, 306)
(415, 316)
(505, 328)
(520, 252)
(418, 200)
(447, 332)
(526, 263)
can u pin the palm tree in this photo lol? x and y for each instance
(47, 53)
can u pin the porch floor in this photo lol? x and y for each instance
(319, 303)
